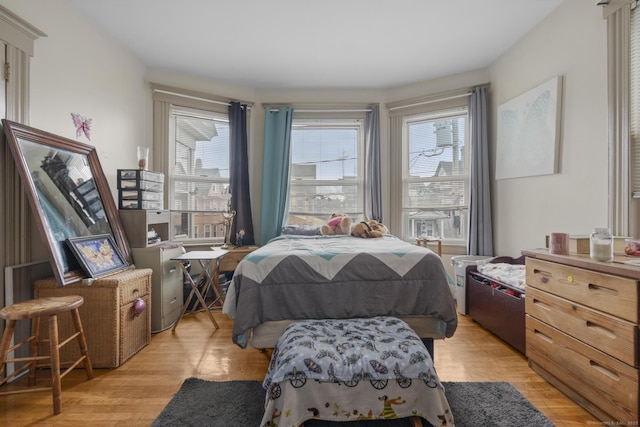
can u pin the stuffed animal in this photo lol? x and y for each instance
(337, 224)
(369, 229)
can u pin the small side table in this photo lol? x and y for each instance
(233, 258)
(425, 243)
(206, 260)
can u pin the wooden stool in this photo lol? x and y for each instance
(35, 309)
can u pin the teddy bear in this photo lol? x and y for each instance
(337, 224)
(369, 229)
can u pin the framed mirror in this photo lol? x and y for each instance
(68, 192)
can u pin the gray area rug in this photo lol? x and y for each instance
(240, 403)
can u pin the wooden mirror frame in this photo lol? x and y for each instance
(16, 132)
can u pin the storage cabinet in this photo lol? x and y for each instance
(497, 306)
(145, 227)
(582, 330)
(113, 330)
(140, 189)
(167, 282)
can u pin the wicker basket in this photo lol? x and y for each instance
(113, 330)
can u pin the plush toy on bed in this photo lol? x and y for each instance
(369, 229)
(337, 224)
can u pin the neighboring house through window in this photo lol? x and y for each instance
(435, 175)
(326, 169)
(199, 178)
(430, 168)
(191, 137)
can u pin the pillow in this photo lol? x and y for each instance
(301, 230)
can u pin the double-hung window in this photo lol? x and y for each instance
(327, 170)
(198, 173)
(435, 175)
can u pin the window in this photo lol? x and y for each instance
(435, 175)
(198, 173)
(326, 170)
(634, 131)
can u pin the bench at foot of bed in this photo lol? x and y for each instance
(351, 370)
(415, 422)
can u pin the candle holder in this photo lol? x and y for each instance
(228, 216)
(228, 219)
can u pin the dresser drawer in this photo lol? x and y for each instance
(132, 284)
(614, 336)
(169, 292)
(610, 384)
(612, 294)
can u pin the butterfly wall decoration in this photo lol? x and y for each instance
(529, 132)
(82, 124)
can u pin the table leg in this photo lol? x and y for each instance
(194, 290)
(204, 304)
(216, 284)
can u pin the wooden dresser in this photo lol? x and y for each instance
(582, 330)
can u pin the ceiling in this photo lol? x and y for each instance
(317, 44)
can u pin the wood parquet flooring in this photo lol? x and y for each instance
(135, 393)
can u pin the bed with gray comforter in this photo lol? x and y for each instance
(338, 277)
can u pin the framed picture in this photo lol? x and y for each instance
(529, 132)
(98, 255)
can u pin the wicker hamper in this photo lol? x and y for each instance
(113, 330)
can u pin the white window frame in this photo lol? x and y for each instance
(174, 176)
(164, 99)
(407, 179)
(398, 112)
(336, 120)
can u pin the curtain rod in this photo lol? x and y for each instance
(197, 98)
(365, 110)
(431, 101)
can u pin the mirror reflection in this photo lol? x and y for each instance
(67, 193)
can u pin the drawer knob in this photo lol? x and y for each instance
(570, 279)
(140, 306)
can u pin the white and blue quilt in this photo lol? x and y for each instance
(337, 277)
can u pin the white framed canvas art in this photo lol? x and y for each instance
(529, 132)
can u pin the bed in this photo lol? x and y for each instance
(338, 277)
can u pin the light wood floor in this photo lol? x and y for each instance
(135, 393)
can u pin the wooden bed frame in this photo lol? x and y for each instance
(497, 311)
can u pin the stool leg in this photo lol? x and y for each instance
(6, 344)
(56, 386)
(75, 315)
(35, 339)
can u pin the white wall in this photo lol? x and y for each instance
(571, 43)
(78, 69)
